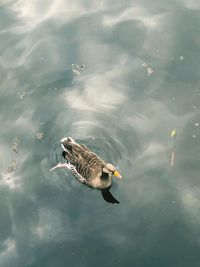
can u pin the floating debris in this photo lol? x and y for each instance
(144, 65)
(11, 167)
(150, 71)
(76, 69)
(194, 135)
(181, 58)
(21, 95)
(173, 133)
(16, 144)
(39, 135)
(196, 124)
(172, 158)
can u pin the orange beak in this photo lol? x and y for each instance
(117, 174)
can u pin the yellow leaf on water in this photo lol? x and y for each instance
(173, 133)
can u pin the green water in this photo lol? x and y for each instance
(140, 81)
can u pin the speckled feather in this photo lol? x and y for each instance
(86, 165)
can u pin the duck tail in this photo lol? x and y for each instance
(67, 143)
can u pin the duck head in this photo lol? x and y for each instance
(110, 169)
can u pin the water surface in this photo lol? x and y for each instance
(140, 81)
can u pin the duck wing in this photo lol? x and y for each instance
(83, 160)
(72, 151)
(108, 197)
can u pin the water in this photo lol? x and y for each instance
(140, 81)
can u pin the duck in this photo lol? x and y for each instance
(88, 168)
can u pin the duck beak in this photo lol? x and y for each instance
(117, 174)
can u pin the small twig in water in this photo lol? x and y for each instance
(172, 158)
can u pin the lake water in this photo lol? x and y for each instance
(134, 80)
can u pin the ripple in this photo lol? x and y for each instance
(55, 154)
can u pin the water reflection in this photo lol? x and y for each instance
(118, 111)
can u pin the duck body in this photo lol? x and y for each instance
(88, 167)
(85, 165)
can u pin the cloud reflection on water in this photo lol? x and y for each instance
(112, 106)
(8, 254)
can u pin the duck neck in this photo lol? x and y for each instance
(105, 176)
